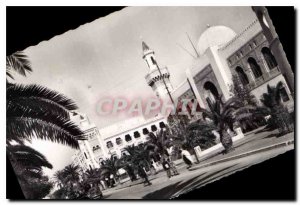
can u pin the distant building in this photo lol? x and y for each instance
(92, 151)
(79, 159)
(132, 131)
(111, 140)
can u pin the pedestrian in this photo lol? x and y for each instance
(186, 156)
(152, 168)
(143, 174)
(173, 167)
(112, 182)
(167, 167)
(107, 182)
(102, 184)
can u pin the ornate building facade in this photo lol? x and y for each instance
(91, 151)
(133, 131)
(222, 53)
(101, 144)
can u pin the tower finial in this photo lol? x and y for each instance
(145, 46)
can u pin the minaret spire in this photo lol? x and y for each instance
(145, 47)
(157, 78)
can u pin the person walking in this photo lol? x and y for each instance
(173, 167)
(143, 174)
(152, 168)
(186, 156)
(166, 166)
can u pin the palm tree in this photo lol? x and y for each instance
(59, 178)
(138, 156)
(158, 143)
(28, 164)
(243, 93)
(19, 63)
(223, 115)
(188, 136)
(272, 105)
(71, 173)
(111, 166)
(35, 111)
(27, 158)
(93, 177)
(200, 133)
(68, 179)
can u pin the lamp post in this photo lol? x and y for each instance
(162, 77)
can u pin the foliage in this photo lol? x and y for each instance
(158, 144)
(35, 111)
(138, 156)
(111, 166)
(243, 93)
(189, 135)
(27, 164)
(272, 106)
(200, 133)
(67, 180)
(36, 189)
(19, 63)
(224, 115)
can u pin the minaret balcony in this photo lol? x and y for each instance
(155, 76)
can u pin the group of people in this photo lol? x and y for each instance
(168, 166)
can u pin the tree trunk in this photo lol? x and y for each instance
(226, 141)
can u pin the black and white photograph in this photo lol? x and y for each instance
(148, 103)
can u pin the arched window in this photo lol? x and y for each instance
(128, 138)
(211, 94)
(269, 58)
(162, 125)
(136, 134)
(255, 68)
(153, 128)
(109, 144)
(242, 75)
(118, 141)
(145, 131)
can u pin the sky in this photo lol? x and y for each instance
(103, 58)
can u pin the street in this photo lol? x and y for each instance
(165, 188)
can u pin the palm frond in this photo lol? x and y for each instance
(27, 157)
(26, 125)
(18, 62)
(52, 99)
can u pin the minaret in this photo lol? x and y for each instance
(157, 78)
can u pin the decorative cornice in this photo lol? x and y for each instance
(239, 35)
